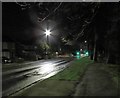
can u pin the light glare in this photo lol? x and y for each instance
(47, 32)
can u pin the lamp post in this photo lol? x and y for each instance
(47, 32)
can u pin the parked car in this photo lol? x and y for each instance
(6, 60)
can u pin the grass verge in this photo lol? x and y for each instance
(74, 71)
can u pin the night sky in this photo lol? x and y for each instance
(22, 25)
(65, 20)
(15, 21)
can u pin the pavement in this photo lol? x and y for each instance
(96, 82)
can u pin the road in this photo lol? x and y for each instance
(20, 76)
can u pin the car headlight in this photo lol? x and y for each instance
(5, 60)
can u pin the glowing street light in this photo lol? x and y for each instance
(78, 54)
(47, 32)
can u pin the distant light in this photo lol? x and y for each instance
(86, 54)
(47, 32)
(60, 49)
(82, 55)
(78, 53)
(78, 57)
(80, 49)
(85, 41)
(56, 53)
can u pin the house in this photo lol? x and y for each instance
(17, 50)
(8, 49)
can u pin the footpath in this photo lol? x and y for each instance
(97, 81)
(82, 78)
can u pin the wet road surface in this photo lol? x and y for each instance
(16, 79)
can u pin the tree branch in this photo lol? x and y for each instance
(51, 12)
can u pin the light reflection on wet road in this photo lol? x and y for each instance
(26, 76)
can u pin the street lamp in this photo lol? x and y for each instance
(47, 32)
